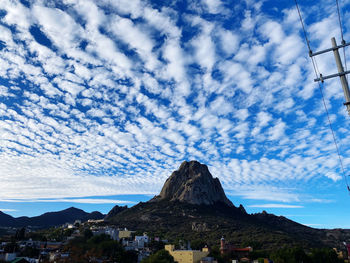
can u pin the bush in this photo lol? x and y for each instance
(297, 255)
(162, 256)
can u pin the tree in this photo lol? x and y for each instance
(215, 253)
(20, 234)
(290, 255)
(88, 234)
(325, 255)
(162, 256)
(197, 244)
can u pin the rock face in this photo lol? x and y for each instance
(115, 210)
(192, 183)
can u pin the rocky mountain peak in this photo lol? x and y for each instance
(192, 183)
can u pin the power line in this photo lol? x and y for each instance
(340, 24)
(333, 134)
(302, 24)
(342, 35)
(314, 64)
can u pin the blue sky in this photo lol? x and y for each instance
(101, 100)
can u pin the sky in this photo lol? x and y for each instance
(100, 101)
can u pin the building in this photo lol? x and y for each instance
(125, 233)
(20, 260)
(340, 253)
(10, 256)
(113, 233)
(208, 260)
(187, 256)
(142, 240)
(231, 249)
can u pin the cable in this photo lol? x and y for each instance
(302, 24)
(323, 98)
(318, 71)
(342, 36)
(314, 63)
(333, 134)
(340, 24)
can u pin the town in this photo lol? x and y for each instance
(97, 241)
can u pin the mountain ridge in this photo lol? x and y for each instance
(48, 219)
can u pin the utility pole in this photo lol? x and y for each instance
(341, 72)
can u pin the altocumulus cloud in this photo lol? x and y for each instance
(109, 97)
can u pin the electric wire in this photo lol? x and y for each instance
(340, 24)
(333, 134)
(302, 24)
(342, 36)
(323, 98)
(318, 71)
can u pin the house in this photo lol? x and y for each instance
(57, 256)
(125, 233)
(229, 248)
(110, 231)
(20, 260)
(113, 233)
(141, 240)
(93, 221)
(10, 256)
(187, 256)
(208, 260)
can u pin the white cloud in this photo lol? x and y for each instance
(229, 41)
(221, 107)
(204, 48)
(7, 210)
(275, 206)
(134, 8)
(126, 95)
(214, 6)
(131, 34)
(66, 200)
(277, 131)
(248, 22)
(58, 26)
(334, 177)
(176, 66)
(235, 74)
(272, 194)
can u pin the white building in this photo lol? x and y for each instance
(113, 233)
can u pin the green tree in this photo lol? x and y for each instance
(30, 252)
(156, 245)
(197, 244)
(215, 253)
(11, 247)
(325, 255)
(290, 255)
(162, 256)
(20, 234)
(88, 234)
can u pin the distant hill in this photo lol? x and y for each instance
(192, 205)
(6, 220)
(68, 215)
